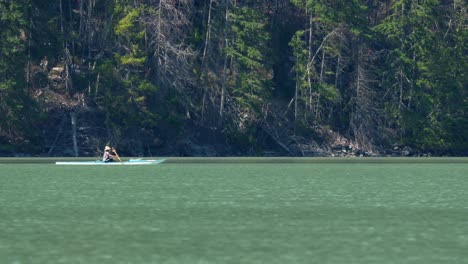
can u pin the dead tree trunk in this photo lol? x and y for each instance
(296, 95)
(158, 45)
(364, 113)
(317, 103)
(309, 64)
(59, 132)
(205, 50)
(226, 43)
(74, 133)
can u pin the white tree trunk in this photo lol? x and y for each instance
(205, 49)
(74, 133)
(226, 43)
(296, 95)
(309, 60)
(208, 33)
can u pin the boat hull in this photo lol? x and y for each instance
(114, 163)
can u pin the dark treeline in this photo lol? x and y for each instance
(233, 77)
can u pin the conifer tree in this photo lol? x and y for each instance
(16, 109)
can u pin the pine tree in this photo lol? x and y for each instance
(16, 109)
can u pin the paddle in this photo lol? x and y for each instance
(116, 154)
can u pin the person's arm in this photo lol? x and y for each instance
(116, 154)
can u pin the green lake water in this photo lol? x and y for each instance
(235, 212)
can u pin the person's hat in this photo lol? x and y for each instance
(107, 148)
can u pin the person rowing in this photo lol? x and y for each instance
(110, 154)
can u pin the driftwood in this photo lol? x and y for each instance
(277, 140)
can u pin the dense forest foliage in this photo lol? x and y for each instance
(233, 77)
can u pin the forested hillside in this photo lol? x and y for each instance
(233, 77)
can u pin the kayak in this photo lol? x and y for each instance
(100, 162)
